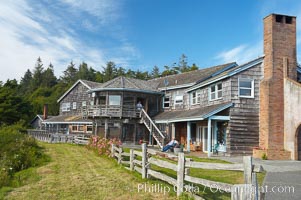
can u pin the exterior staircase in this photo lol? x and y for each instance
(153, 129)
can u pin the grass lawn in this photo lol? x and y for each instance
(77, 173)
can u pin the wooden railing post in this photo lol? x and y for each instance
(180, 173)
(247, 160)
(144, 161)
(112, 150)
(132, 157)
(119, 155)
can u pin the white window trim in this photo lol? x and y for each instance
(66, 107)
(215, 92)
(74, 105)
(252, 87)
(112, 103)
(180, 97)
(166, 101)
(194, 98)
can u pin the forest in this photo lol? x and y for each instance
(22, 100)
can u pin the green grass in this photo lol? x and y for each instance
(77, 173)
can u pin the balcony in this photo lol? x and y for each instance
(110, 111)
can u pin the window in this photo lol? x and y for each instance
(193, 98)
(89, 128)
(196, 97)
(178, 99)
(84, 103)
(114, 100)
(65, 107)
(246, 88)
(216, 91)
(74, 128)
(74, 105)
(166, 102)
(81, 128)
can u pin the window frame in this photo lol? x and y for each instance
(215, 92)
(66, 107)
(245, 88)
(74, 105)
(176, 99)
(110, 101)
(165, 102)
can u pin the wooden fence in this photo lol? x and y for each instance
(44, 136)
(249, 190)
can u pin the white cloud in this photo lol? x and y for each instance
(241, 53)
(30, 30)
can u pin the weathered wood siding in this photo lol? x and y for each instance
(243, 128)
(172, 95)
(78, 95)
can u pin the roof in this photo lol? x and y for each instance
(67, 120)
(191, 115)
(129, 84)
(40, 117)
(190, 78)
(88, 84)
(227, 73)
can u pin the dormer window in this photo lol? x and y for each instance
(195, 97)
(215, 91)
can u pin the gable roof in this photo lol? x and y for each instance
(40, 117)
(188, 79)
(127, 84)
(227, 73)
(88, 84)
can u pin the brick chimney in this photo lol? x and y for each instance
(279, 51)
(45, 111)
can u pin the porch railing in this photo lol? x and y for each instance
(110, 111)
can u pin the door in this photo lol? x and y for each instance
(205, 138)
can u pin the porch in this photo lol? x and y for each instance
(202, 130)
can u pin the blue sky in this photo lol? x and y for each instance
(136, 34)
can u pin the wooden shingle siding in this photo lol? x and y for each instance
(78, 94)
(243, 127)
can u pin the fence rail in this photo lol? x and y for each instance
(45, 136)
(146, 160)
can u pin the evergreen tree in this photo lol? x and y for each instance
(155, 72)
(70, 74)
(110, 71)
(49, 79)
(37, 77)
(13, 107)
(25, 83)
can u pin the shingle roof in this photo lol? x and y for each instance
(227, 73)
(190, 77)
(186, 115)
(67, 119)
(91, 84)
(122, 82)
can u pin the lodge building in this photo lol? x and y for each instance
(248, 109)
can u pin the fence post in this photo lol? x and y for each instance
(180, 173)
(144, 161)
(247, 169)
(131, 159)
(257, 193)
(112, 150)
(119, 155)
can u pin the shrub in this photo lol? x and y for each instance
(18, 151)
(102, 145)
(264, 156)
